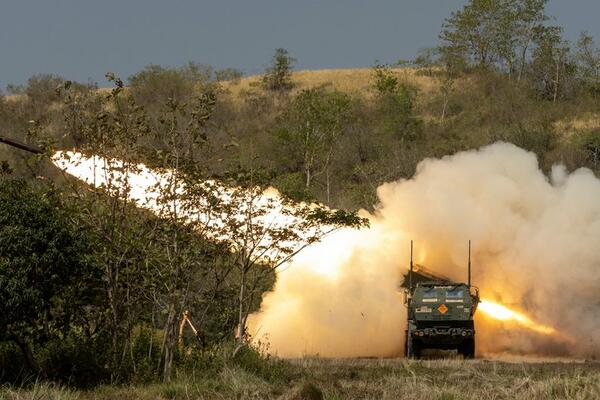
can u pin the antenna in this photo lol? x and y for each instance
(411, 266)
(469, 280)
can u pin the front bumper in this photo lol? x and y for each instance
(443, 332)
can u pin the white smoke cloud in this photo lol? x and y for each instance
(536, 247)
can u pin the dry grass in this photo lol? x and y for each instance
(364, 379)
(346, 80)
(586, 122)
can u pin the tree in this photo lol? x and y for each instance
(530, 17)
(278, 76)
(474, 31)
(114, 130)
(264, 231)
(588, 62)
(551, 67)
(494, 32)
(154, 85)
(310, 128)
(395, 102)
(427, 60)
(181, 126)
(155, 268)
(41, 89)
(45, 268)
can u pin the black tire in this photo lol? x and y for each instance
(409, 346)
(417, 348)
(468, 348)
(413, 347)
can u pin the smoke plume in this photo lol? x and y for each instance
(536, 249)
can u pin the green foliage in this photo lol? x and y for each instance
(310, 128)
(261, 364)
(588, 63)
(293, 184)
(73, 360)
(395, 104)
(551, 70)
(487, 33)
(278, 76)
(46, 275)
(384, 80)
(589, 143)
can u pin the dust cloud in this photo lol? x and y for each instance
(536, 248)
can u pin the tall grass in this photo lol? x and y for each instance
(312, 378)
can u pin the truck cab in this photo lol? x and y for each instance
(440, 316)
(439, 311)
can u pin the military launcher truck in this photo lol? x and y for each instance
(440, 312)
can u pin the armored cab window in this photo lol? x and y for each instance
(430, 293)
(457, 293)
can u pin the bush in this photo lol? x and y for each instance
(228, 74)
(154, 85)
(588, 143)
(307, 391)
(259, 363)
(73, 361)
(42, 89)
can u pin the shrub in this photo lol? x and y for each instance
(278, 76)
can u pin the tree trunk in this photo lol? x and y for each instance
(328, 186)
(241, 329)
(444, 108)
(556, 82)
(28, 355)
(114, 320)
(170, 342)
(523, 60)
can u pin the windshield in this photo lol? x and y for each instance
(457, 293)
(429, 293)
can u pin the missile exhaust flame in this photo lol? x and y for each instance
(503, 313)
(340, 297)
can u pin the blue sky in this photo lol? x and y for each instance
(83, 39)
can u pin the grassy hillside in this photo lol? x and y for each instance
(349, 80)
(381, 137)
(359, 81)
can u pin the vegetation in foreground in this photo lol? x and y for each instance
(313, 379)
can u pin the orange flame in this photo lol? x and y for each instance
(503, 313)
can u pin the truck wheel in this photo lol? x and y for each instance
(413, 347)
(468, 348)
(416, 349)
